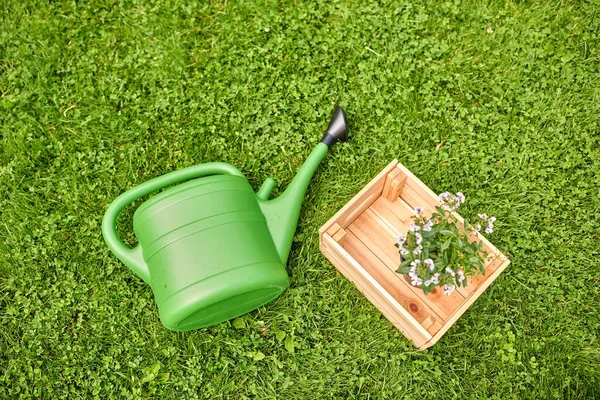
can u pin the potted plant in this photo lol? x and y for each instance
(436, 251)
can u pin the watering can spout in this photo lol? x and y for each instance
(282, 213)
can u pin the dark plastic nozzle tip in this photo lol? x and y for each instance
(337, 129)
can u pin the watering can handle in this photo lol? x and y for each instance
(133, 257)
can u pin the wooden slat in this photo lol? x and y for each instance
(333, 229)
(391, 282)
(376, 236)
(351, 216)
(396, 214)
(396, 186)
(467, 303)
(388, 182)
(361, 201)
(374, 292)
(414, 199)
(381, 208)
(339, 236)
(432, 324)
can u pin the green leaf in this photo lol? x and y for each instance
(155, 368)
(289, 344)
(163, 377)
(258, 355)
(428, 289)
(403, 269)
(279, 334)
(239, 323)
(428, 235)
(445, 245)
(453, 255)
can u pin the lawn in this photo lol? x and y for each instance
(499, 100)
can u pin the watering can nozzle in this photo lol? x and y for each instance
(337, 129)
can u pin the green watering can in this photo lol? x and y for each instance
(210, 248)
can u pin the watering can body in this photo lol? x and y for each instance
(211, 248)
(209, 252)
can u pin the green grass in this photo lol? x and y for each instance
(500, 100)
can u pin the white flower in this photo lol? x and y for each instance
(427, 282)
(477, 228)
(449, 202)
(450, 271)
(429, 263)
(415, 263)
(461, 276)
(403, 251)
(401, 240)
(489, 229)
(414, 278)
(418, 237)
(448, 289)
(460, 197)
(483, 217)
(435, 278)
(413, 267)
(419, 210)
(492, 220)
(413, 228)
(418, 250)
(416, 282)
(427, 227)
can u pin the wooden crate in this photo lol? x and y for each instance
(359, 240)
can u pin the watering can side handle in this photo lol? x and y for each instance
(133, 258)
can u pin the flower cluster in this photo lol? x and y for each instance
(436, 250)
(451, 202)
(415, 280)
(485, 220)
